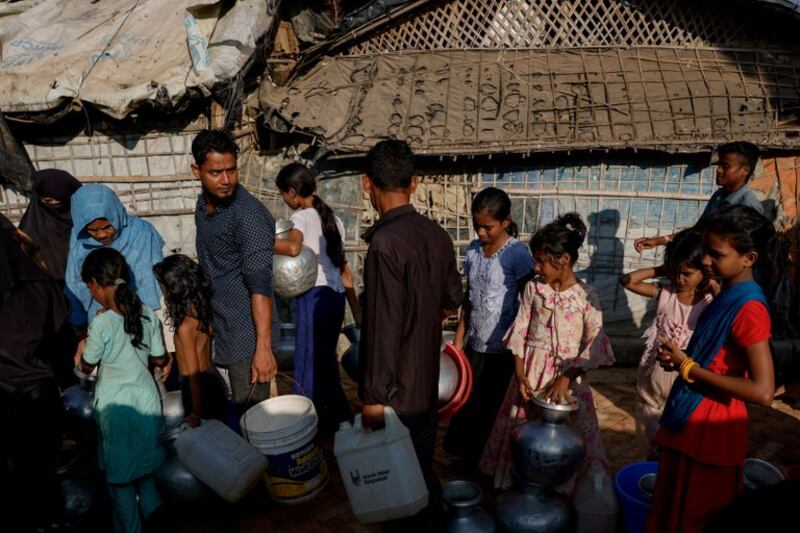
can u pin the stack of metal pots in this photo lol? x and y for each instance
(545, 453)
(80, 488)
(464, 516)
(78, 401)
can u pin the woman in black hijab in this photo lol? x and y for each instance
(48, 221)
(33, 309)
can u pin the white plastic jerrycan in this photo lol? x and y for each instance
(380, 470)
(221, 459)
(595, 502)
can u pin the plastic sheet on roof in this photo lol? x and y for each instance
(15, 166)
(117, 54)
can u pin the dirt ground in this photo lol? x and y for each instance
(774, 436)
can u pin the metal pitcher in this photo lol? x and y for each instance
(463, 515)
(533, 508)
(547, 451)
(292, 276)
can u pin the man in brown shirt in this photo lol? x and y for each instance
(410, 283)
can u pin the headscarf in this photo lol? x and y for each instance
(136, 239)
(50, 225)
(711, 332)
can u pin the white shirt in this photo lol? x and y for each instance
(307, 221)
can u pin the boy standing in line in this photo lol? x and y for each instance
(411, 283)
(737, 162)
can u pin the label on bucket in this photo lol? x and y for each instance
(295, 474)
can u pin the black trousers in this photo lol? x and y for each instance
(422, 428)
(470, 427)
(31, 422)
(214, 401)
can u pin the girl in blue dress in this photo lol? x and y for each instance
(495, 264)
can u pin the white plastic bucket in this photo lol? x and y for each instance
(284, 429)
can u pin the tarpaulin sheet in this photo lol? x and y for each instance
(117, 54)
(15, 165)
(489, 101)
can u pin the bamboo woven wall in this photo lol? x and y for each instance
(148, 167)
(620, 197)
(465, 24)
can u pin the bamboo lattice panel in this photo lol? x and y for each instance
(118, 154)
(469, 24)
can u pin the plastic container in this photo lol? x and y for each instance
(464, 386)
(284, 429)
(595, 503)
(759, 473)
(380, 470)
(221, 459)
(647, 486)
(635, 507)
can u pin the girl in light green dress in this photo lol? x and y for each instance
(123, 338)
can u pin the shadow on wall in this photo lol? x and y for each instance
(606, 264)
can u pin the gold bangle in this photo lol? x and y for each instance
(686, 370)
(684, 365)
(693, 365)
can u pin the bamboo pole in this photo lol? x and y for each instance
(605, 194)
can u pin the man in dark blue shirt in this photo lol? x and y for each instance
(235, 241)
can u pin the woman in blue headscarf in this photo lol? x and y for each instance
(99, 219)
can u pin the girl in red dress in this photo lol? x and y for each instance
(703, 435)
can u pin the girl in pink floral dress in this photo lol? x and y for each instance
(556, 338)
(679, 306)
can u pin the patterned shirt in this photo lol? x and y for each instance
(494, 291)
(234, 245)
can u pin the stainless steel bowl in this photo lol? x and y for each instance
(283, 226)
(448, 378)
(461, 494)
(554, 412)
